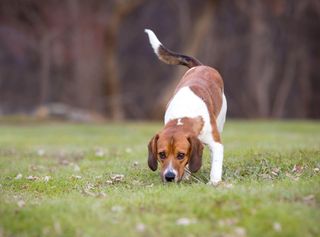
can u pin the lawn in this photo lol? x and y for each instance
(59, 179)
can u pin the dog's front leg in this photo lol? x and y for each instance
(216, 150)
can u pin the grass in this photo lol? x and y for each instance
(55, 180)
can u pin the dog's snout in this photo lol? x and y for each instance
(170, 176)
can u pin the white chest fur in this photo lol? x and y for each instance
(186, 103)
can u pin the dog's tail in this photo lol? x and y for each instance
(169, 57)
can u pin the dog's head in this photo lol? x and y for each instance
(174, 149)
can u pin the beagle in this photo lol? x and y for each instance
(195, 115)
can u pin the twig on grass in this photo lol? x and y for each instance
(186, 169)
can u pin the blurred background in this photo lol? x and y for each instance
(91, 60)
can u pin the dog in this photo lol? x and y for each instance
(194, 117)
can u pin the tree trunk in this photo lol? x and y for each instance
(284, 88)
(45, 55)
(261, 64)
(112, 79)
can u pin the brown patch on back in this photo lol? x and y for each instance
(190, 126)
(206, 83)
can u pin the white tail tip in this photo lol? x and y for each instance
(155, 43)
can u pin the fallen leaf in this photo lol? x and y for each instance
(46, 178)
(277, 226)
(295, 178)
(76, 168)
(57, 227)
(41, 152)
(225, 185)
(128, 150)
(61, 154)
(253, 211)
(32, 178)
(99, 152)
(229, 185)
(266, 176)
(117, 177)
(89, 186)
(275, 171)
(140, 227)
(228, 222)
(89, 193)
(136, 182)
(240, 232)
(297, 169)
(19, 176)
(76, 177)
(214, 184)
(185, 221)
(64, 162)
(150, 185)
(101, 194)
(45, 231)
(136, 163)
(117, 209)
(33, 167)
(310, 199)
(21, 203)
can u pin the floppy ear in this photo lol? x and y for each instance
(152, 156)
(195, 161)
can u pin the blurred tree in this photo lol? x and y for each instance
(120, 10)
(94, 56)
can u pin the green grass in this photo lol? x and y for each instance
(262, 193)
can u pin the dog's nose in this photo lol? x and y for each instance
(169, 176)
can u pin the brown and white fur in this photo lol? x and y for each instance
(195, 115)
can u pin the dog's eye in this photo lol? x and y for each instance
(162, 155)
(180, 155)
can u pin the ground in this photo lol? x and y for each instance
(59, 179)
